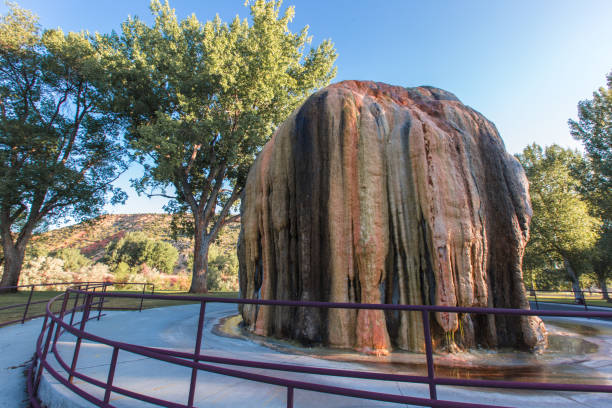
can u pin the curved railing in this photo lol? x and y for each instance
(55, 324)
(30, 289)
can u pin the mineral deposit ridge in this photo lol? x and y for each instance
(374, 193)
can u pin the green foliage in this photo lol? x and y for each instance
(202, 99)
(602, 256)
(562, 230)
(222, 270)
(122, 272)
(59, 149)
(542, 274)
(136, 249)
(35, 251)
(594, 129)
(54, 138)
(73, 259)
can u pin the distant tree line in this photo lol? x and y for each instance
(571, 195)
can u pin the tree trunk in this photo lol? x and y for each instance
(604, 290)
(575, 283)
(13, 261)
(200, 259)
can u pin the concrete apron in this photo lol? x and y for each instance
(175, 327)
(17, 343)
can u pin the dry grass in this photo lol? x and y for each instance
(568, 298)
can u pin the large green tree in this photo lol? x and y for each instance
(594, 129)
(202, 99)
(563, 232)
(58, 149)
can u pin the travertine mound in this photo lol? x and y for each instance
(381, 194)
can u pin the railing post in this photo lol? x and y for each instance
(85, 298)
(586, 308)
(289, 397)
(101, 302)
(429, 354)
(198, 345)
(77, 348)
(74, 307)
(144, 286)
(111, 375)
(25, 312)
(152, 288)
(535, 296)
(44, 356)
(62, 314)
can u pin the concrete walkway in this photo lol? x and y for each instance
(175, 327)
(17, 343)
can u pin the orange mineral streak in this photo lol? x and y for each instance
(261, 325)
(375, 193)
(371, 234)
(343, 212)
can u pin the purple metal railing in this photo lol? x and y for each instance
(32, 288)
(197, 361)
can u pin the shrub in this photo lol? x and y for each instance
(97, 272)
(222, 272)
(73, 259)
(122, 272)
(135, 249)
(46, 269)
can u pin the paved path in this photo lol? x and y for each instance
(17, 343)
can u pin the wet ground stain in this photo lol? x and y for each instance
(573, 356)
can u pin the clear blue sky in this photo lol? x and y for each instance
(523, 64)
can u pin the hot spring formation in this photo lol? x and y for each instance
(374, 193)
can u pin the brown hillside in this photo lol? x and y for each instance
(91, 237)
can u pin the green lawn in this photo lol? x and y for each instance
(43, 297)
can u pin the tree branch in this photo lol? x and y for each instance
(211, 203)
(61, 101)
(231, 219)
(17, 213)
(212, 174)
(149, 195)
(194, 154)
(78, 117)
(187, 192)
(33, 217)
(3, 108)
(53, 203)
(221, 220)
